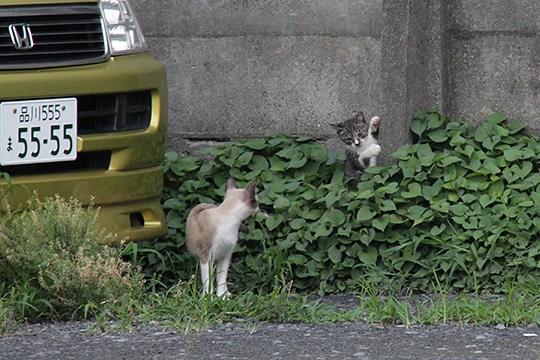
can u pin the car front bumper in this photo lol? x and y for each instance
(128, 190)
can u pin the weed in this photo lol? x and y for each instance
(52, 260)
(182, 308)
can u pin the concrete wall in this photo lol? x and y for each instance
(242, 68)
(493, 59)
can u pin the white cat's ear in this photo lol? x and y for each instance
(231, 184)
(252, 186)
(251, 190)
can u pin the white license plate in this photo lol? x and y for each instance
(37, 131)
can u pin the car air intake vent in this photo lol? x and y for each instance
(51, 35)
(110, 113)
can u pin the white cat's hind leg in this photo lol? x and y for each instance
(222, 268)
(205, 277)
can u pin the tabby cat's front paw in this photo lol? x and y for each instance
(372, 150)
(374, 125)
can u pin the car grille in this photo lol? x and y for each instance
(61, 35)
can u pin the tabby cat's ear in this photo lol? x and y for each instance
(360, 117)
(337, 126)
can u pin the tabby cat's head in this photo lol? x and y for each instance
(352, 131)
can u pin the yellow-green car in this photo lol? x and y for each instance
(83, 110)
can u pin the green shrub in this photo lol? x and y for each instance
(460, 207)
(53, 265)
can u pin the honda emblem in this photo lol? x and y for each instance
(21, 36)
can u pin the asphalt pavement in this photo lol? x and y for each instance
(354, 340)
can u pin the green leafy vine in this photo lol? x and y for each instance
(460, 205)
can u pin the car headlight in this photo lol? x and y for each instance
(123, 32)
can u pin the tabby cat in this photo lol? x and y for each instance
(363, 145)
(212, 232)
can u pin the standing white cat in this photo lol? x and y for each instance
(212, 232)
